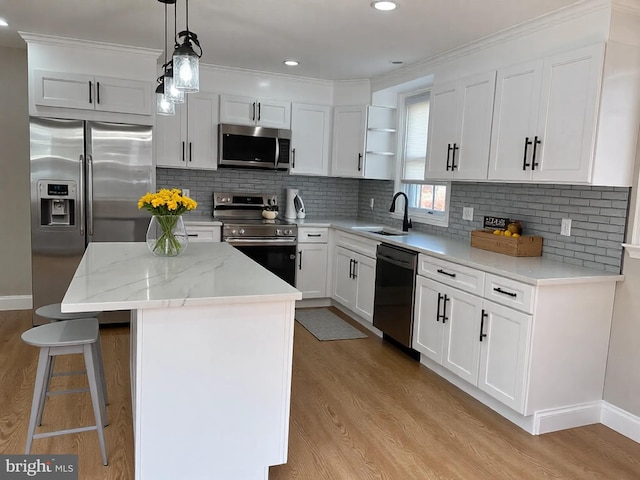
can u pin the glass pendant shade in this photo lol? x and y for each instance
(171, 92)
(186, 74)
(163, 105)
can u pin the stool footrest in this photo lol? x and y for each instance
(62, 392)
(64, 432)
(66, 374)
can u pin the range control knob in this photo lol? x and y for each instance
(234, 232)
(241, 231)
(278, 232)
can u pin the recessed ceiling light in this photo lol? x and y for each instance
(291, 63)
(3, 23)
(384, 5)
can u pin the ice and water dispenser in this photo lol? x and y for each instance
(57, 200)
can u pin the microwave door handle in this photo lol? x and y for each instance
(277, 152)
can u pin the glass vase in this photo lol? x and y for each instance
(167, 236)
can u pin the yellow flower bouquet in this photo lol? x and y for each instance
(166, 235)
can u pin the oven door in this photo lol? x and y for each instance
(277, 257)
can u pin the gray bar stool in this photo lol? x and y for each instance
(67, 338)
(53, 312)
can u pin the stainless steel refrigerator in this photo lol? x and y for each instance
(86, 179)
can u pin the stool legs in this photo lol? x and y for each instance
(38, 395)
(101, 371)
(99, 409)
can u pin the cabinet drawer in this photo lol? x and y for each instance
(201, 233)
(312, 235)
(464, 278)
(357, 244)
(509, 292)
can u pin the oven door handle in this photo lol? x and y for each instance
(261, 241)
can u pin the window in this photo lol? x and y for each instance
(428, 202)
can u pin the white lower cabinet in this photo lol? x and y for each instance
(311, 273)
(354, 281)
(202, 232)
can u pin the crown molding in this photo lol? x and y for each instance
(566, 14)
(37, 38)
(223, 68)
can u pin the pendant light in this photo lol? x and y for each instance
(186, 60)
(163, 105)
(172, 93)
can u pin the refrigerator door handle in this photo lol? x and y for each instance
(81, 197)
(90, 195)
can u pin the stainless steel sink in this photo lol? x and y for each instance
(379, 230)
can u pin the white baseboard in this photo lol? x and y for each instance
(621, 421)
(546, 421)
(16, 302)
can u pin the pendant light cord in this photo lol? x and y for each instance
(165, 38)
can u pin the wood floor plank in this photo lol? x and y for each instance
(360, 410)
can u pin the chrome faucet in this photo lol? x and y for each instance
(406, 222)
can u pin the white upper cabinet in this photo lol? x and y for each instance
(460, 129)
(240, 110)
(310, 139)
(92, 92)
(189, 138)
(545, 117)
(349, 123)
(364, 142)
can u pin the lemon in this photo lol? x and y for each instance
(508, 233)
(497, 232)
(515, 235)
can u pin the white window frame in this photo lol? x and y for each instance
(418, 215)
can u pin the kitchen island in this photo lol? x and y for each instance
(211, 355)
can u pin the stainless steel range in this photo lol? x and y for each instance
(271, 243)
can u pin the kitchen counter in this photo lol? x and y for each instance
(530, 270)
(211, 356)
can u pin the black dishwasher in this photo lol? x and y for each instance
(393, 303)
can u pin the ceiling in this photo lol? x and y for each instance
(345, 39)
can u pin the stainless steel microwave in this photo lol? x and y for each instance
(241, 146)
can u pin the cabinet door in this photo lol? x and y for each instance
(515, 115)
(443, 113)
(504, 357)
(238, 110)
(344, 286)
(427, 328)
(123, 96)
(310, 130)
(567, 120)
(311, 277)
(202, 233)
(202, 141)
(68, 90)
(461, 345)
(170, 138)
(474, 124)
(348, 141)
(273, 114)
(365, 272)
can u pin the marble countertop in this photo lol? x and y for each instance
(531, 270)
(125, 275)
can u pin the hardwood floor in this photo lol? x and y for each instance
(360, 410)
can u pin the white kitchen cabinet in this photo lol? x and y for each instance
(349, 123)
(504, 355)
(354, 274)
(460, 129)
(311, 261)
(449, 327)
(545, 118)
(189, 138)
(261, 112)
(92, 92)
(202, 231)
(310, 139)
(364, 142)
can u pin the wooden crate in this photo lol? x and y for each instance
(524, 246)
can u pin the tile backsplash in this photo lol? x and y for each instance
(322, 196)
(598, 214)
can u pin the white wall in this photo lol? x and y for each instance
(15, 239)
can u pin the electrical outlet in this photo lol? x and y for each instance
(186, 192)
(467, 213)
(371, 203)
(565, 227)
